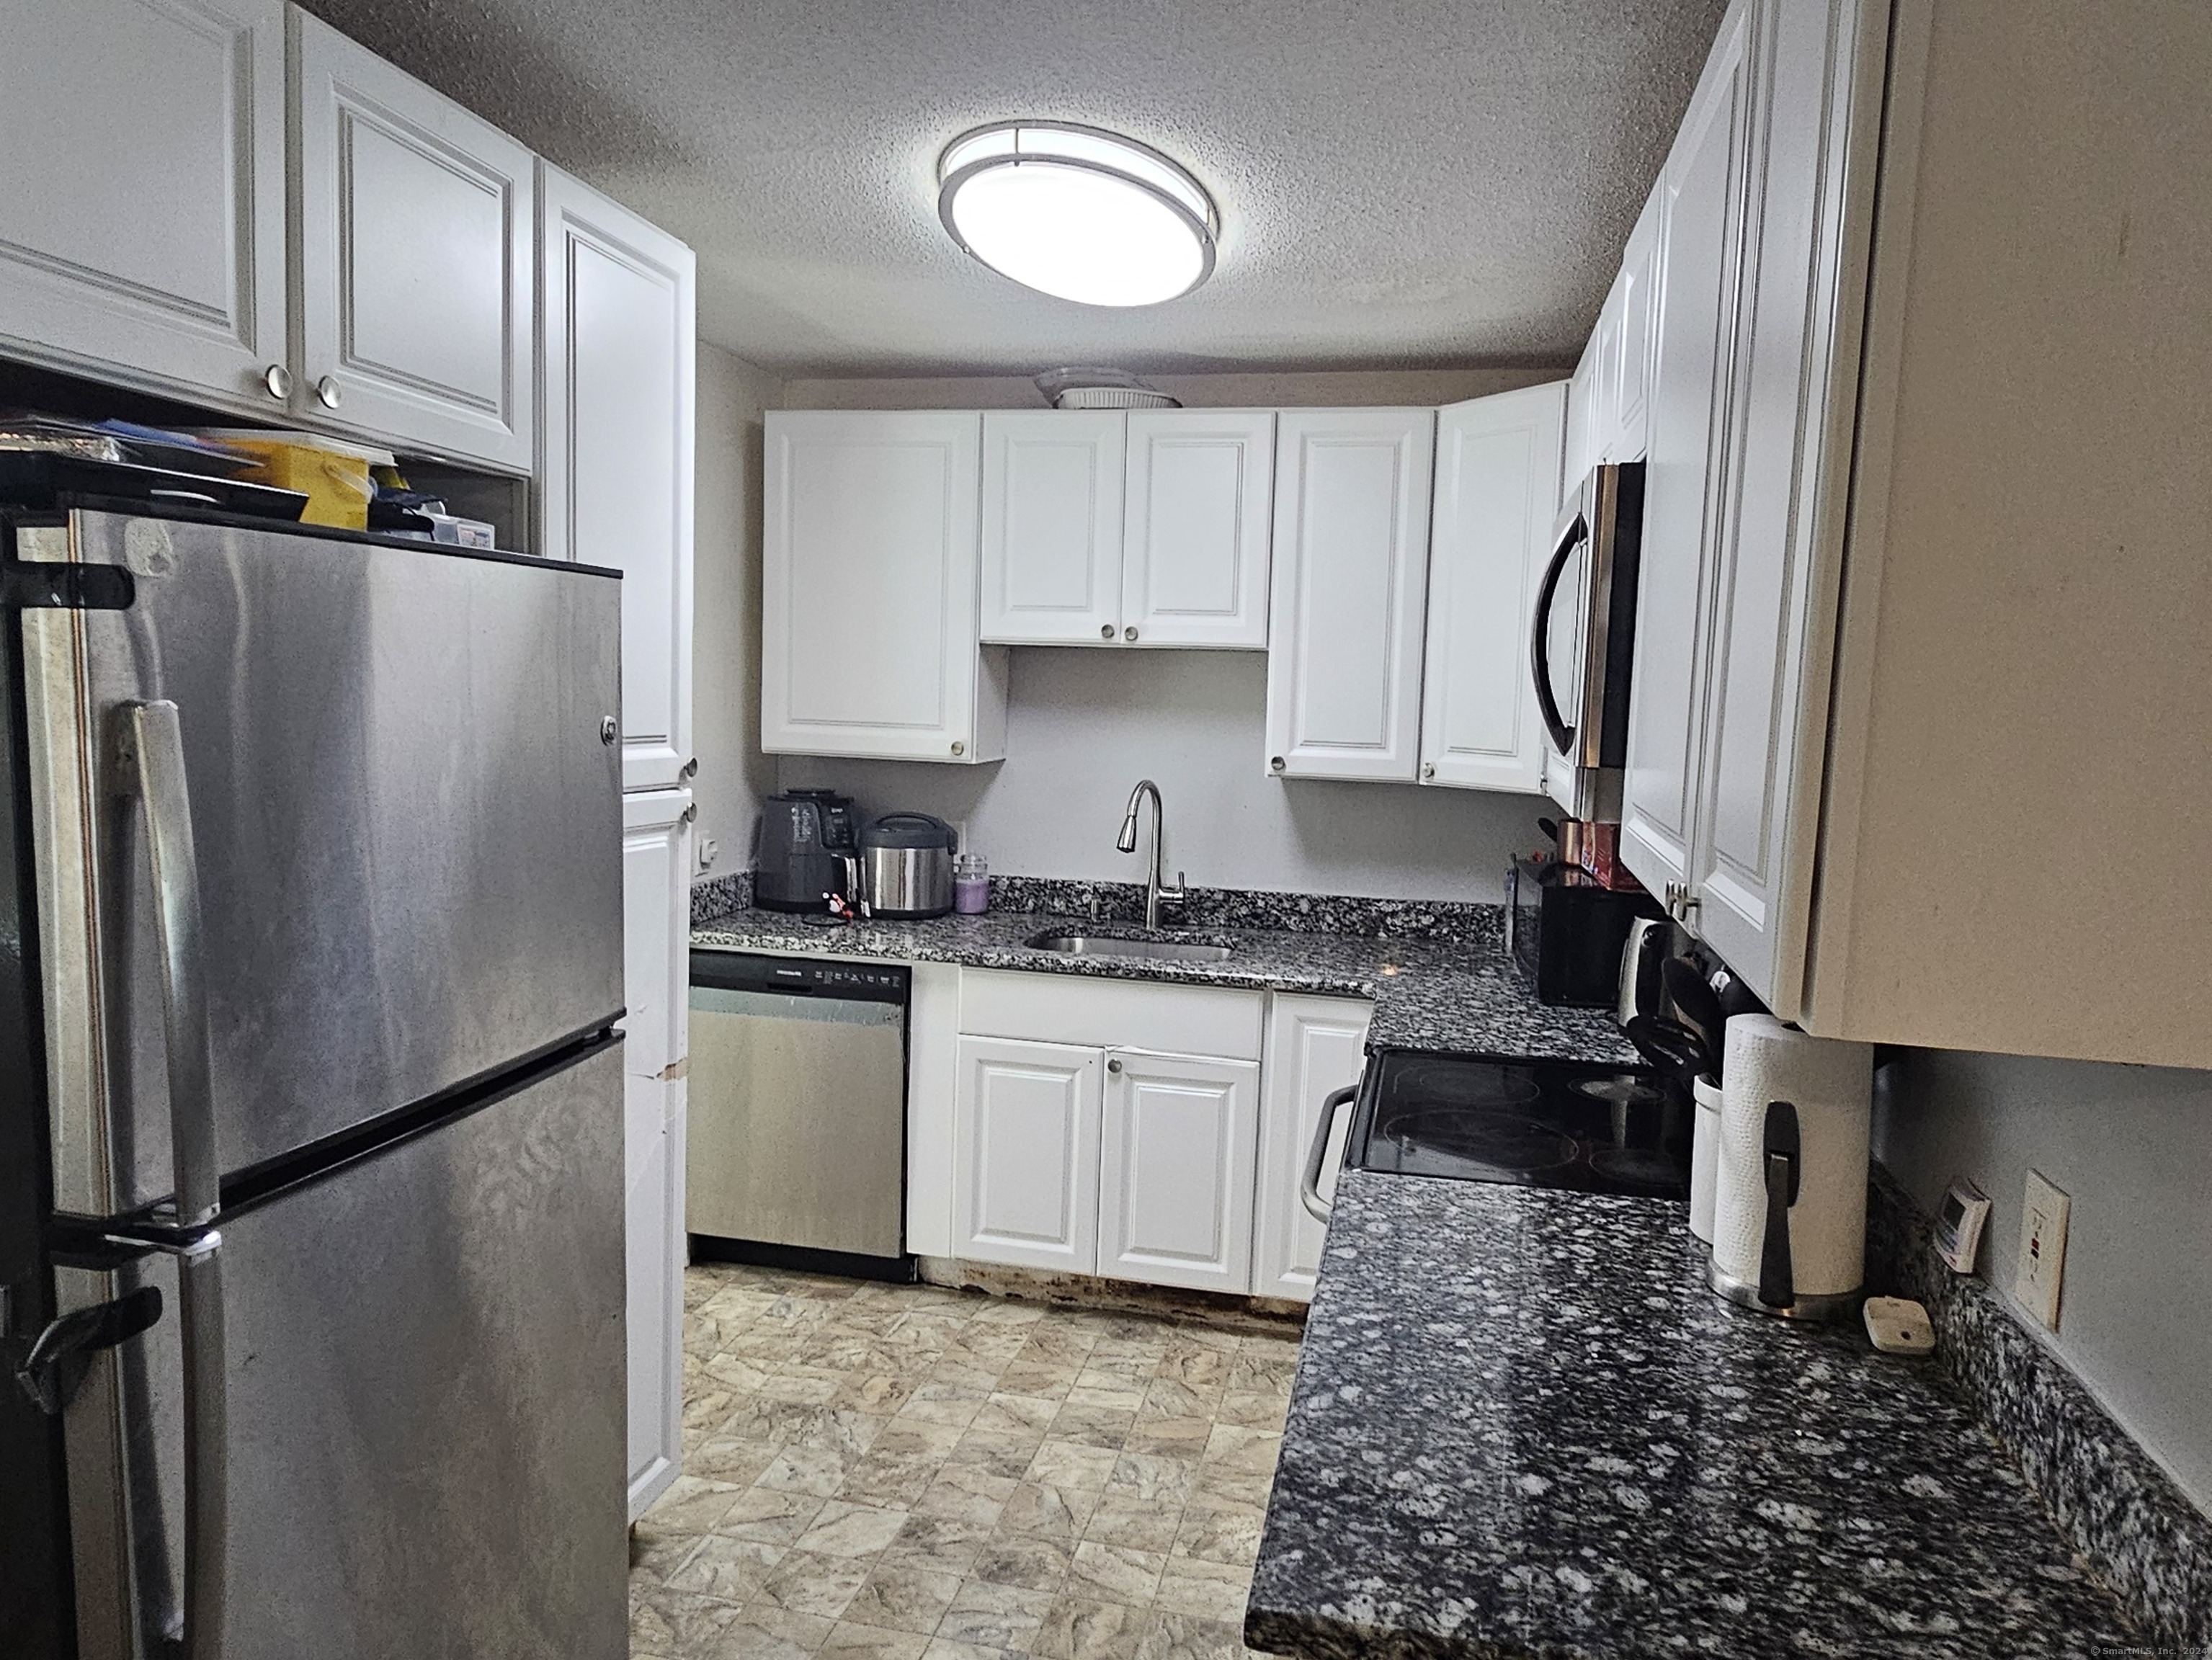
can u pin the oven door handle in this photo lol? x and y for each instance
(1318, 1155)
(1539, 639)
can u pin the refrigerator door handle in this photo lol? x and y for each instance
(154, 771)
(207, 1444)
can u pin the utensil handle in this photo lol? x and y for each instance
(1318, 1155)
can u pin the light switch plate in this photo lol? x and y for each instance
(2042, 1260)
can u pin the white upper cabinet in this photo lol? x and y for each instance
(1025, 1180)
(1498, 461)
(869, 627)
(142, 207)
(1699, 195)
(1175, 1173)
(616, 347)
(1316, 1045)
(1145, 529)
(416, 259)
(1349, 585)
(1635, 303)
(1052, 525)
(1195, 535)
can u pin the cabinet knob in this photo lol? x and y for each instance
(610, 729)
(276, 381)
(1274, 764)
(959, 748)
(1105, 631)
(329, 393)
(1428, 768)
(1129, 634)
(1114, 1064)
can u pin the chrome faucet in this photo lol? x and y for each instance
(1155, 891)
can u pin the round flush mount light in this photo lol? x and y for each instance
(1077, 213)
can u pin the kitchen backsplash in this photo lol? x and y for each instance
(2114, 1504)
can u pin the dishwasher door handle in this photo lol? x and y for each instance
(1318, 1155)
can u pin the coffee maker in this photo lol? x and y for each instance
(806, 837)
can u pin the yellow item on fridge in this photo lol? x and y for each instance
(337, 485)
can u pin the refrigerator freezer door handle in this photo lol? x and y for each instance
(154, 770)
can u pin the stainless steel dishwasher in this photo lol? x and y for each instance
(797, 1112)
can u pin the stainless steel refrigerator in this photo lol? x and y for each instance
(311, 1192)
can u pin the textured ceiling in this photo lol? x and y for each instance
(1432, 182)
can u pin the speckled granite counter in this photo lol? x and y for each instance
(1522, 1427)
(1427, 995)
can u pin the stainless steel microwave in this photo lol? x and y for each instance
(1583, 643)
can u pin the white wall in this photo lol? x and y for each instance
(1083, 725)
(726, 602)
(2132, 1147)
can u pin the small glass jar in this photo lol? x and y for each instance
(971, 885)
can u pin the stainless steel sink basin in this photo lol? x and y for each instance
(1090, 945)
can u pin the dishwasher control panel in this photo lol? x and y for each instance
(874, 983)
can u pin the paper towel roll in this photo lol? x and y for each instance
(1705, 1157)
(1830, 1082)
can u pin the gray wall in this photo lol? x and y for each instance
(726, 604)
(1082, 726)
(2132, 1147)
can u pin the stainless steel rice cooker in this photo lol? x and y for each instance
(906, 864)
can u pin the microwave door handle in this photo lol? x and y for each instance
(154, 771)
(1539, 641)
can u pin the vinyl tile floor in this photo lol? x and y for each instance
(905, 1472)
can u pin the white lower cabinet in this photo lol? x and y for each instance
(1175, 1177)
(1315, 1045)
(656, 976)
(1026, 1131)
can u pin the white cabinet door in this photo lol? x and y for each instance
(653, 1251)
(868, 630)
(1177, 1170)
(1764, 679)
(1497, 487)
(1582, 417)
(1026, 1143)
(1636, 322)
(656, 987)
(1349, 585)
(1052, 526)
(656, 928)
(417, 260)
(1315, 1045)
(616, 335)
(1194, 539)
(141, 206)
(1699, 221)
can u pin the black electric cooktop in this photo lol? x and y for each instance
(1536, 1123)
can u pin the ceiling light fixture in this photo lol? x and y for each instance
(1077, 213)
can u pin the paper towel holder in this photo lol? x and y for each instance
(1782, 1165)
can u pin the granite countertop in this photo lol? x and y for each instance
(1522, 1427)
(1466, 998)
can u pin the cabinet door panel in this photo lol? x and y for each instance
(617, 335)
(1052, 525)
(1350, 585)
(1177, 1170)
(1315, 1045)
(142, 209)
(1631, 341)
(417, 258)
(655, 1255)
(1200, 488)
(1498, 481)
(868, 634)
(1026, 1187)
(656, 928)
(1684, 484)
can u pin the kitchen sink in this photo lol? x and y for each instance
(1092, 945)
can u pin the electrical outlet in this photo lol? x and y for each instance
(2036, 1275)
(707, 846)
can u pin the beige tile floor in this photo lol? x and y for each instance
(905, 1473)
